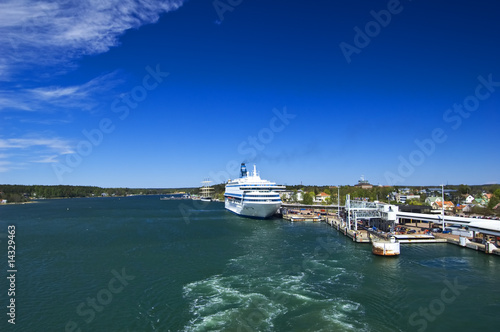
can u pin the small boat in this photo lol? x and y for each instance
(384, 247)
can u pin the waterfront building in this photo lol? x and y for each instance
(286, 195)
(321, 197)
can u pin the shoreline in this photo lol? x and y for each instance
(17, 203)
(37, 200)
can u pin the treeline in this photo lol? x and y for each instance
(475, 189)
(22, 193)
(373, 194)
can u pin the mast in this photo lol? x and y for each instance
(206, 190)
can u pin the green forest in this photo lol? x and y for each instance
(20, 193)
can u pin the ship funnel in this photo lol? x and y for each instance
(243, 170)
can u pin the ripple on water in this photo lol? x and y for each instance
(293, 301)
(215, 303)
(448, 263)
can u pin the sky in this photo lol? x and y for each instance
(164, 94)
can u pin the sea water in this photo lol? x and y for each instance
(145, 264)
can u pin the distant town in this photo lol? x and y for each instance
(466, 200)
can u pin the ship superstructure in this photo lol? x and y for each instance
(251, 196)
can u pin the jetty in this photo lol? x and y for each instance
(359, 220)
(360, 236)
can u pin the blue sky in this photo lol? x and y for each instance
(166, 93)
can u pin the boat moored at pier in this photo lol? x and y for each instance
(251, 196)
(206, 192)
(385, 247)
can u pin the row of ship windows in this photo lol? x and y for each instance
(252, 185)
(259, 195)
(255, 199)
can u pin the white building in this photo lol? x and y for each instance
(321, 198)
(430, 200)
(469, 199)
(286, 195)
(403, 198)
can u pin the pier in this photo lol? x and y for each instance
(360, 236)
(295, 212)
(360, 219)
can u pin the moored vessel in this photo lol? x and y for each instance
(385, 247)
(206, 192)
(251, 196)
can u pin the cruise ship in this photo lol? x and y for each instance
(251, 196)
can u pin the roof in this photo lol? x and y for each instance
(323, 194)
(486, 226)
(446, 203)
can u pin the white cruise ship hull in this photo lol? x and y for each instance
(253, 210)
(251, 196)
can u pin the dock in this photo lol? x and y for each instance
(359, 236)
(295, 217)
(357, 221)
(362, 235)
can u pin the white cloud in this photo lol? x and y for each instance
(4, 166)
(50, 98)
(45, 38)
(59, 145)
(22, 151)
(54, 92)
(8, 101)
(47, 159)
(48, 33)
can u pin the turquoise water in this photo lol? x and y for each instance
(141, 264)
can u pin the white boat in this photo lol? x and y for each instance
(251, 196)
(383, 247)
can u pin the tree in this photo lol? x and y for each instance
(308, 198)
(493, 202)
(497, 193)
(463, 189)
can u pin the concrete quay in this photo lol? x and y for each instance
(469, 243)
(360, 236)
(485, 237)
